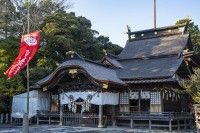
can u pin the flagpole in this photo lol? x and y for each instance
(26, 119)
(154, 14)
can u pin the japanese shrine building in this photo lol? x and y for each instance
(142, 83)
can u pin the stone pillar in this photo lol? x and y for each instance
(100, 122)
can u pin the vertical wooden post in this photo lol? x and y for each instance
(61, 114)
(149, 124)
(170, 125)
(139, 101)
(50, 100)
(1, 118)
(131, 124)
(11, 119)
(6, 121)
(178, 122)
(185, 124)
(49, 118)
(37, 119)
(113, 116)
(100, 124)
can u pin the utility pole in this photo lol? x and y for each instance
(155, 14)
(26, 115)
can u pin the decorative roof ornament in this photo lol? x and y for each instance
(129, 31)
(128, 28)
(71, 53)
(105, 52)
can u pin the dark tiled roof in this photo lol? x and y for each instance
(96, 71)
(149, 68)
(151, 56)
(155, 46)
(111, 62)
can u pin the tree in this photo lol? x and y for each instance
(194, 33)
(7, 18)
(13, 14)
(8, 51)
(61, 32)
(108, 46)
(193, 86)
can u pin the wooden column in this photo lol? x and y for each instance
(185, 124)
(50, 101)
(38, 118)
(139, 101)
(11, 119)
(150, 124)
(113, 116)
(61, 114)
(100, 122)
(170, 125)
(178, 124)
(131, 124)
(49, 119)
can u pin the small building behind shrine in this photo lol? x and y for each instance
(142, 86)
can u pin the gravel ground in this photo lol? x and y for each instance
(68, 129)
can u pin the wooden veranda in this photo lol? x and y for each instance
(164, 120)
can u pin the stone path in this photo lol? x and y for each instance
(68, 129)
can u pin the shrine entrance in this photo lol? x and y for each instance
(79, 108)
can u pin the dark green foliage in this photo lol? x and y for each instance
(109, 46)
(194, 32)
(61, 32)
(8, 51)
(193, 86)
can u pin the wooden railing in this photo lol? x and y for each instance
(89, 119)
(69, 118)
(4, 118)
(155, 119)
(48, 117)
(155, 115)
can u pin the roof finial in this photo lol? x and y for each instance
(71, 53)
(105, 52)
(129, 31)
(128, 28)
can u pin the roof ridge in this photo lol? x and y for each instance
(159, 32)
(160, 28)
(151, 57)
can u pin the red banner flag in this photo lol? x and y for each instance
(28, 48)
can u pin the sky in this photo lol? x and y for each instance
(110, 17)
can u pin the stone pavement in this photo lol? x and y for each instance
(68, 129)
